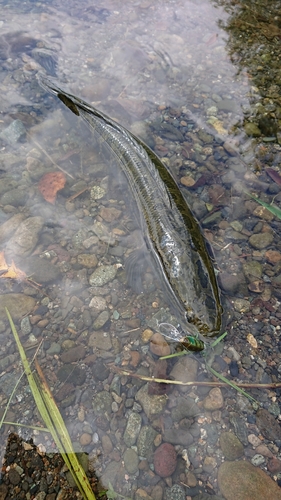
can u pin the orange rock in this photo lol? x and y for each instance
(273, 256)
(187, 181)
(50, 184)
(135, 358)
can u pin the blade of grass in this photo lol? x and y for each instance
(219, 339)
(12, 395)
(49, 413)
(175, 355)
(272, 208)
(9, 401)
(34, 427)
(231, 384)
(59, 424)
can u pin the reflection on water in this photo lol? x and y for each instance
(166, 71)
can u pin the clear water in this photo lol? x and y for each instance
(190, 79)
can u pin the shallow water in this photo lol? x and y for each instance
(200, 85)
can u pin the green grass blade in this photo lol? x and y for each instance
(2, 421)
(175, 355)
(31, 380)
(272, 208)
(74, 466)
(219, 339)
(53, 420)
(33, 427)
(232, 384)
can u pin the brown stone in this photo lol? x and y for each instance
(110, 214)
(159, 346)
(214, 400)
(85, 439)
(64, 391)
(74, 354)
(242, 481)
(107, 445)
(268, 425)
(187, 181)
(274, 465)
(272, 256)
(135, 358)
(230, 445)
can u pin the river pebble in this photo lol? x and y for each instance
(152, 405)
(165, 460)
(133, 428)
(230, 445)
(103, 275)
(131, 461)
(25, 237)
(242, 480)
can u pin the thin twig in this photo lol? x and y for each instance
(195, 382)
(48, 156)
(71, 198)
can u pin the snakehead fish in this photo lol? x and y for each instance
(173, 235)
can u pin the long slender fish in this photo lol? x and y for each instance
(173, 234)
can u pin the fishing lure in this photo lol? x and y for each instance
(190, 343)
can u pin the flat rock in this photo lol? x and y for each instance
(72, 374)
(17, 304)
(145, 441)
(268, 425)
(9, 227)
(131, 461)
(242, 481)
(110, 214)
(100, 340)
(252, 270)
(230, 282)
(15, 197)
(185, 370)
(26, 237)
(153, 406)
(158, 345)
(112, 472)
(214, 400)
(230, 445)
(74, 354)
(100, 321)
(176, 492)
(185, 408)
(261, 240)
(178, 436)
(41, 270)
(102, 403)
(133, 428)
(87, 260)
(102, 275)
(14, 132)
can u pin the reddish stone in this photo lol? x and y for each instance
(165, 460)
(274, 465)
(135, 358)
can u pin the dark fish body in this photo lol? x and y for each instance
(172, 233)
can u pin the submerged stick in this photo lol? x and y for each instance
(195, 382)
